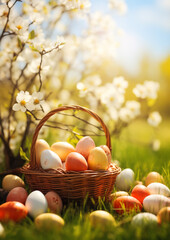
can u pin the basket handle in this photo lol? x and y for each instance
(33, 164)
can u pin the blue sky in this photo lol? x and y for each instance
(147, 30)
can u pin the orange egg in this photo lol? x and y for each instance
(107, 151)
(18, 194)
(62, 149)
(84, 146)
(75, 162)
(153, 177)
(127, 204)
(12, 211)
(40, 146)
(140, 192)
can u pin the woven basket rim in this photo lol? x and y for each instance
(26, 169)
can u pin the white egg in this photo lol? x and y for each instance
(159, 188)
(142, 219)
(36, 203)
(153, 203)
(125, 180)
(50, 159)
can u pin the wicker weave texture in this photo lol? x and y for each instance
(70, 185)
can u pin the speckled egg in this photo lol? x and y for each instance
(54, 201)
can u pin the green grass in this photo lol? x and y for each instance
(142, 159)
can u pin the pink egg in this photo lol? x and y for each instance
(18, 194)
(84, 146)
(54, 202)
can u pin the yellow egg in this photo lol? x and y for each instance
(62, 149)
(49, 221)
(117, 194)
(84, 146)
(164, 215)
(40, 146)
(102, 219)
(97, 159)
(153, 177)
(11, 181)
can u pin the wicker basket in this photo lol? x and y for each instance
(69, 184)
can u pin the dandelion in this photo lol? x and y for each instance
(22, 100)
(154, 119)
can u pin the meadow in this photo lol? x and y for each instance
(131, 154)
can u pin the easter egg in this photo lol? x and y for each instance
(84, 146)
(50, 159)
(18, 194)
(97, 159)
(12, 211)
(126, 204)
(75, 162)
(101, 219)
(62, 149)
(144, 219)
(117, 194)
(153, 177)
(54, 202)
(153, 203)
(164, 215)
(2, 231)
(48, 221)
(107, 151)
(36, 203)
(125, 180)
(159, 188)
(11, 181)
(40, 146)
(140, 192)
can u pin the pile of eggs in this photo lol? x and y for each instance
(149, 203)
(45, 209)
(153, 198)
(80, 158)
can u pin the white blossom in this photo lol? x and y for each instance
(125, 115)
(156, 144)
(154, 119)
(22, 100)
(151, 89)
(120, 83)
(140, 91)
(111, 96)
(118, 5)
(36, 102)
(134, 107)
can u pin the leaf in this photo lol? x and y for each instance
(23, 154)
(32, 34)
